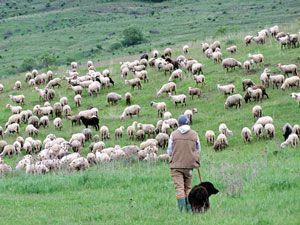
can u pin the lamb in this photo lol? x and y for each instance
(44, 121)
(256, 58)
(277, 80)
(167, 88)
(296, 129)
(248, 39)
(18, 85)
(12, 128)
(256, 94)
(178, 99)
(77, 100)
(264, 120)
(232, 49)
(197, 68)
(119, 132)
(77, 89)
(220, 143)
(287, 130)
(128, 98)
(194, 91)
(131, 130)
(210, 137)
(189, 113)
(140, 135)
(90, 121)
(247, 65)
(94, 88)
(142, 75)
(296, 96)
(134, 82)
(257, 111)
(286, 69)
(223, 129)
(291, 82)
(233, 100)
(53, 83)
(67, 110)
(230, 63)
(270, 130)
(265, 77)
(247, 83)
(160, 106)
(258, 130)
(130, 111)
(246, 134)
(200, 79)
(226, 89)
(177, 74)
(14, 109)
(292, 140)
(57, 122)
(162, 140)
(104, 133)
(19, 99)
(113, 98)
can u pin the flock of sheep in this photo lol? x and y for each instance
(54, 152)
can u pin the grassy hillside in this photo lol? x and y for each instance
(258, 182)
(62, 30)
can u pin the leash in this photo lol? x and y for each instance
(198, 170)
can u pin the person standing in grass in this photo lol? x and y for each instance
(184, 149)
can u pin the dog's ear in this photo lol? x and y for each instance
(211, 190)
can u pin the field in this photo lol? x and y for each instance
(258, 182)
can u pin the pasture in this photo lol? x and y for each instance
(259, 182)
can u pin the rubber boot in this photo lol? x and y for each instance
(188, 206)
(181, 204)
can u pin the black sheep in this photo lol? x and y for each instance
(199, 196)
(93, 121)
(144, 56)
(287, 130)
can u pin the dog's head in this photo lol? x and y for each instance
(211, 190)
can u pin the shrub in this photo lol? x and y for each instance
(28, 65)
(132, 36)
(115, 46)
(48, 59)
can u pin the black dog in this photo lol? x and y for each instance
(199, 196)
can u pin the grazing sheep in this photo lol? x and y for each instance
(194, 91)
(291, 82)
(44, 121)
(19, 99)
(12, 128)
(4, 169)
(233, 100)
(204, 46)
(189, 113)
(229, 63)
(87, 134)
(286, 69)
(167, 67)
(75, 145)
(178, 99)
(167, 115)
(140, 135)
(292, 140)
(119, 132)
(232, 49)
(162, 140)
(104, 133)
(77, 89)
(208, 53)
(14, 109)
(247, 83)
(98, 146)
(142, 75)
(167, 88)
(216, 56)
(215, 45)
(210, 137)
(34, 120)
(80, 163)
(185, 49)
(257, 111)
(247, 65)
(256, 58)
(265, 77)
(197, 68)
(63, 101)
(223, 129)
(17, 85)
(260, 39)
(287, 130)
(264, 120)
(134, 82)
(277, 80)
(256, 94)
(77, 100)
(200, 79)
(94, 88)
(246, 134)
(74, 120)
(90, 121)
(155, 53)
(274, 30)
(226, 89)
(176, 74)
(296, 96)
(296, 129)
(258, 130)
(128, 98)
(168, 52)
(113, 98)
(270, 130)
(131, 130)
(220, 143)
(67, 111)
(57, 122)
(131, 111)
(8, 150)
(57, 108)
(160, 106)
(53, 83)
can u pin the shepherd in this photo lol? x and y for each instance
(184, 149)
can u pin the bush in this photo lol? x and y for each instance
(132, 36)
(28, 65)
(48, 60)
(115, 46)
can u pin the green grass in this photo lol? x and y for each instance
(77, 30)
(258, 182)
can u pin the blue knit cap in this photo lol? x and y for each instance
(183, 120)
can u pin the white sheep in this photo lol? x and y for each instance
(20, 99)
(185, 49)
(258, 130)
(104, 133)
(256, 58)
(200, 79)
(17, 85)
(270, 130)
(296, 96)
(223, 129)
(257, 111)
(246, 134)
(134, 82)
(189, 113)
(216, 56)
(286, 69)
(296, 129)
(292, 140)
(113, 98)
(130, 111)
(14, 109)
(178, 99)
(167, 115)
(210, 137)
(12, 128)
(77, 100)
(160, 106)
(221, 142)
(226, 89)
(94, 88)
(63, 101)
(167, 88)
(232, 49)
(233, 100)
(119, 132)
(264, 120)
(265, 77)
(277, 80)
(176, 74)
(230, 63)
(291, 82)
(57, 122)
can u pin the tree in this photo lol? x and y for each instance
(28, 65)
(48, 60)
(132, 36)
